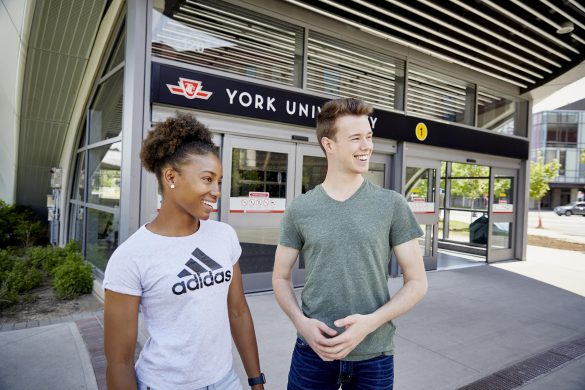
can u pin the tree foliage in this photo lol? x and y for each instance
(583, 156)
(540, 175)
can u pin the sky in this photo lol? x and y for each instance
(569, 94)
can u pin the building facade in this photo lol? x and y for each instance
(560, 135)
(451, 128)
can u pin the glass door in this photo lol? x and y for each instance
(421, 189)
(257, 186)
(502, 214)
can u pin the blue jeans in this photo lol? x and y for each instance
(309, 372)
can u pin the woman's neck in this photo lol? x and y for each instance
(173, 222)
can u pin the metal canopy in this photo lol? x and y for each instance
(526, 43)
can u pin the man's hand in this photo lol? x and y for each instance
(357, 327)
(314, 332)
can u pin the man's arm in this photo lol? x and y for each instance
(313, 331)
(412, 291)
(120, 334)
(242, 327)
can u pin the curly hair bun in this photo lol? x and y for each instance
(173, 141)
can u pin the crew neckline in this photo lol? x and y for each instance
(202, 225)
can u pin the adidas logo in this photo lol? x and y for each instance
(203, 271)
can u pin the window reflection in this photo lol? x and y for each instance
(101, 237)
(314, 171)
(105, 114)
(104, 166)
(258, 171)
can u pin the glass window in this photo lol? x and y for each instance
(82, 140)
(438, 96)
(225, 37)
(550, 155)
(314, 171)
(562, 134)
(426, 241)
(420, 184)
(104, 167)
(503, 190)
(562, 162)
(78, 192)
(101, 236)
(105, 114)
(258, 171)
(376, 173)
(341, 69)
(76, 223)
(117, 54)
(469, 186)
(496, 113)
(501, 235)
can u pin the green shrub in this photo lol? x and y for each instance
(7, 261)
(73, 247)
(20, 226)
(47, 258)
(23, 277)
(7, 297)
(73, 278)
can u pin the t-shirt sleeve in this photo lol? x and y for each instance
(404, 226)
(235, 247)
(122, 275)
(290, 236)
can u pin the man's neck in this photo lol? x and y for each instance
(341, 186)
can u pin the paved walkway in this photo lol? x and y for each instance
(475, 323)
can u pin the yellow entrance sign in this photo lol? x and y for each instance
(421, 131)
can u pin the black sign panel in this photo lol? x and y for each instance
(198, 90)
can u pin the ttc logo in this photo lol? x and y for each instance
(191, 89)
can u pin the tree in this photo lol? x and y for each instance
(540, 175)
(583, 156)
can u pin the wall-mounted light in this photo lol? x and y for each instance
(566, 28)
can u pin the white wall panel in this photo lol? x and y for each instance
(16, 10)
(12, 49)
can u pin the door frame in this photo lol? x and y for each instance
(260, 281)
(430, 262)
(500, 254)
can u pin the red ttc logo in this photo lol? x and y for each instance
(191, 89)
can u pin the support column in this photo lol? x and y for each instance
(133, 115)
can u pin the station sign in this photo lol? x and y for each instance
(194, 89)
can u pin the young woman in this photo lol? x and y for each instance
(182, 270)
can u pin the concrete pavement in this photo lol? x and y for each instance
(473, 323)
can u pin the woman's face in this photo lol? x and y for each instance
(198, 185)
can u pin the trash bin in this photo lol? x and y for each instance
(478, 231)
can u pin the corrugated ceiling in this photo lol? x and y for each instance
(512, 40)
(61, 39)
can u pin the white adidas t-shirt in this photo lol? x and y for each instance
(183, 282)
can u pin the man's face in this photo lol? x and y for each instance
(351, 148)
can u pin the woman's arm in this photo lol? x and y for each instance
(120, 334)
(242, 327)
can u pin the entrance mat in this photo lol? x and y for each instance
(531, 368)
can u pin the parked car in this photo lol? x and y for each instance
(577, 208)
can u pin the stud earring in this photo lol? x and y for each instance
(172, 186)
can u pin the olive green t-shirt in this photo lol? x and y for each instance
(346, 247)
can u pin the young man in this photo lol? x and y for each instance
(345, 229)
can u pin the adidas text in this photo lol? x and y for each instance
(197, 281)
